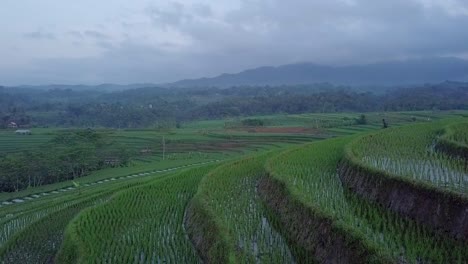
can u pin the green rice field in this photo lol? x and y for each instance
(309, 188)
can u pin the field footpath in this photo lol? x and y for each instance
(86, 185)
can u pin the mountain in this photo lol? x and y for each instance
(105, 87)
(407, 72)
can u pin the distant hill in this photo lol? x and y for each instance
(417, 71)
(106, 87)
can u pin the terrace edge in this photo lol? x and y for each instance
(204, 233)
(452, 148)
(442, 211)
(312, 232)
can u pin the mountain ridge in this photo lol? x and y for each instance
(407, 72)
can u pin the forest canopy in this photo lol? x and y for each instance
(169, 107)
(69, 155)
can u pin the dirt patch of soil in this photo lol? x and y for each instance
(280, 130)
(202, 146)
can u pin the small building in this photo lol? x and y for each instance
(12, 125)
(113, 162)
(23, 132)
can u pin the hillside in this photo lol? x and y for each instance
(419, 71)
(105, 87)
(160, 107)
(337, 193)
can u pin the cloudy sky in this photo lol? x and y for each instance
(139, 41)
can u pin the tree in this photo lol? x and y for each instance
(252, 122)
(362, 120)
(69, 155)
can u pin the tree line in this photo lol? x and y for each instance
(169, 107)
(68, 156)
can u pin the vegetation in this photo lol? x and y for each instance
(402, 170)
(142, 224)
(237, 190)
(454, 141)
(458, 133)
(228, 196)
(252, 122)
(25, 210)
(56, 155)
(169, 108)
(362, 120)
(67, 156)
(309, 174)
(409, 152)
(33, 231)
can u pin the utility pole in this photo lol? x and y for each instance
(164, 147)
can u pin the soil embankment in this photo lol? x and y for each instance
(204, 234)
(443, 211)
(452, 148)
(310, 231)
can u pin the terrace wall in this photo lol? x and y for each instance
(310, 231)
(452, 148)
(204, 233)
(442, 211)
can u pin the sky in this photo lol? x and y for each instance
(143, 41)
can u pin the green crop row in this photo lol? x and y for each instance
(40, 241)
(17, 217)
(310, 176)
(228, 196)
(458, 133)
(223, 214)
(454, 141)
(140, 225)
(410, 152)
(33, 234)
(155, 166)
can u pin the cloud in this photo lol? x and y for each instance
(75, 34)
(171, 16)
(105, 44)
(202, 10)
(39, 35)
(195, 38)
(451, 7)
(331, 32)
(96, 34)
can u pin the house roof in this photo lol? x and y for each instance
(23, 131)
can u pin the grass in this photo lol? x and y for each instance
(138, 219)
(454, 141)
(136, 168)
(458, 133)
(228, 195)
(309, 173)
(410, 152)
(33, 234)
(140, 225)
(198, 131)
(10, 142)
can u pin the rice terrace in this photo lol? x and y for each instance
(234, 132)
(332, 192)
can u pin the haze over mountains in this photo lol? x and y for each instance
(105, 87)
(417, 71)
(391, 73)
